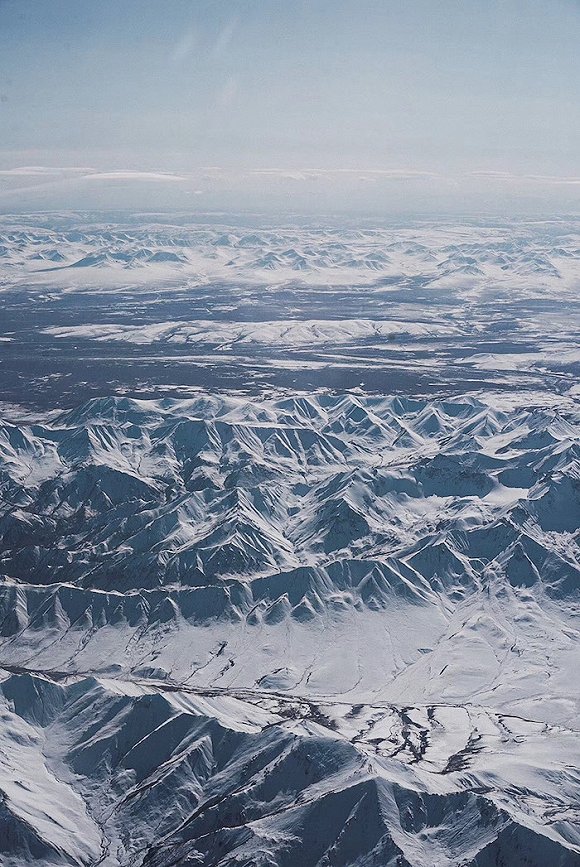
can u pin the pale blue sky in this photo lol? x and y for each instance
(394, 105)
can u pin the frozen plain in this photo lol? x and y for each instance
(289, 543)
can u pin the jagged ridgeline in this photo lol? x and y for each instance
(336, 628)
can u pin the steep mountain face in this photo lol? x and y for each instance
(124, 772)
(320, 630)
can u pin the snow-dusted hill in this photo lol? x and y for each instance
(298, 630)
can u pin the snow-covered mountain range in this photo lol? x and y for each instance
(321, 625)
(439, 252)
(159, 306)
(249, 617)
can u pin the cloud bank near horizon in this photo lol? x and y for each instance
(352, 106)
(27, 188)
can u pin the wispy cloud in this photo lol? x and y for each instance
(363, 174)
(52, 173)
(44, 171)
(184, 48)
(511, 177)
(552, 179)
(224, 38)
(129, 175)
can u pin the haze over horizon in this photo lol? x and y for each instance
(311, 107)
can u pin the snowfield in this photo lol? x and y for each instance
(264, 624)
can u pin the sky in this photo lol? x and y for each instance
(378, 106)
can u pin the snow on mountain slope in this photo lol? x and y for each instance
(151, 306)
(134, 774)
(341, 629)
(321, 608)
(286, 332)
(50, 247)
